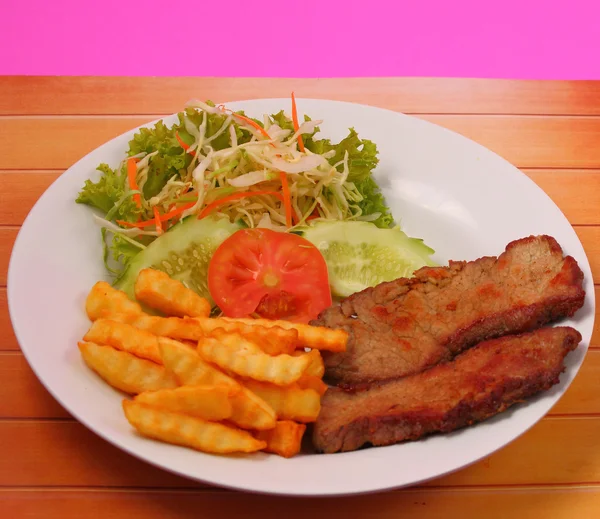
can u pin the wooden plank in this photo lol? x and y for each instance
(137, 95)
(66, 139)
(596, 331)
(19, 191)
(8, 341)
(22, 394)
(540, 142)
(576, 192)
(496, 503)
(7, 240)
(35, 452)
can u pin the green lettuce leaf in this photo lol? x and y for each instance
(118, 251)
(109, 190)
(170, 160)
(362, 154)
(213, 125)
(374, 202)
(122, 252)
(362, 160)
(159, 137)
(284, 122)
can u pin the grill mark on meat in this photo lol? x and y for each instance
(402, 327)
(477, 384)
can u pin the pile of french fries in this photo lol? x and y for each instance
(218, 385)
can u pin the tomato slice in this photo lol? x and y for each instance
(270, 274)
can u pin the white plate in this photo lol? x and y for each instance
(464, 200)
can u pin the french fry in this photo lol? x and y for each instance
(157, 290)
(316, 367)
(248, 410)
(191, 432)
(285, 439)
(188, 367)
(233, 338)
(106, 301)
(314, 337)
(289, 403)
(207, 402)
(236, 354)
(173, 327)
(311, 382)
(124, 337)
(272, 340)
(125, 371)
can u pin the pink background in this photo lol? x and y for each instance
(551, 39)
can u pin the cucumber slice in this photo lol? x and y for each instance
(183, 252)
(361, 255)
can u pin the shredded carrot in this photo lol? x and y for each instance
(157, 221)
(253, 124)
(236, 196)
(164, 218)
(295, 121)
(131, 177)
(287, 198)
(184, 144)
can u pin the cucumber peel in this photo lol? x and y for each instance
(183, 252)
(361, 255)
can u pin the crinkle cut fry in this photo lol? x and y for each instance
(234, 353)
(273, 340)
(187, 431)
(158, 290)
(105, 301)
(316, 337)
(124, 337)
(285, 439)
(125, 371)
(180, 328)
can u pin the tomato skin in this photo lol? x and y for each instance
(271, 274)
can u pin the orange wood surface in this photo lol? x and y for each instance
(53, 467)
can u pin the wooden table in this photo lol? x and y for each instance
(53, 467)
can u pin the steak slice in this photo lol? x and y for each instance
(478, 384)
(405, 326)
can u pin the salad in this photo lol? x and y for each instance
(181, 191)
